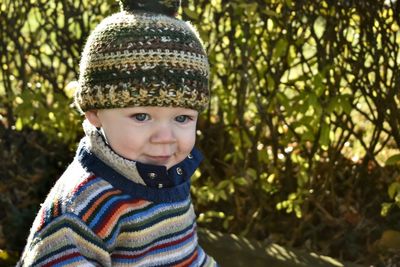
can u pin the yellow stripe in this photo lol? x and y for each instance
(164, 227)
(108, 60)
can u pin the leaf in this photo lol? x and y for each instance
(190, 13)
(4, 255)
(250, 8)
(393, 189)
(280, 48)
(324, 138)
(270, 13)
(393, 160)
(346, 105)
(241, 181)
(223, 184)
(18, 124)
(386, 208)
(318, 84)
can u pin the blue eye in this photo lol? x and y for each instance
(141, 116)
(182, 118)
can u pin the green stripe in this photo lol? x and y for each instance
(155, 75)
(170, 213)
(72, 222)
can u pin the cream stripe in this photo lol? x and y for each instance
(158, 210)
(150, 52)
(80, 264)
(167, 256)
(84, 200)
(101, 60)
(192, 230)
(149, 62)
(147, 235)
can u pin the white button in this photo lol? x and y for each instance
(160, 185)
(179, 171)
(152, 175)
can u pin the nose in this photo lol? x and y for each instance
(163, 135)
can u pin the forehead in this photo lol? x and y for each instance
(153, 110)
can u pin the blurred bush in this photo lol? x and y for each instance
(301, 138)
(29, 166)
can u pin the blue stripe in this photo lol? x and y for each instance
(195, 263)
(91, 202)
(155, 210)
(105, 208)
(83, 188)
(69, 261)
(158, 240)
(60, 250)
(158, 251)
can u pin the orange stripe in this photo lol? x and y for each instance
(97, 203)
(55, 208)
(188, 261)
(116, 215)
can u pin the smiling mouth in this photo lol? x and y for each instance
(159, 159)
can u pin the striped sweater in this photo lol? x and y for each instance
(103, 213)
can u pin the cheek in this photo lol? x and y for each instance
(188, 141)
(125, 143)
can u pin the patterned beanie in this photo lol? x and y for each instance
(143, 56)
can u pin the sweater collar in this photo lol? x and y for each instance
(149, 175)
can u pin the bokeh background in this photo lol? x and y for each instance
(301, 138)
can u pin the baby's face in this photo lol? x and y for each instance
(153, 135)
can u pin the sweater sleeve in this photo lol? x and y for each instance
(65, 241)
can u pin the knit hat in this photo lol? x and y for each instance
(143, 56)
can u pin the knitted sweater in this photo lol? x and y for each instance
(109, 211)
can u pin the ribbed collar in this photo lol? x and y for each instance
(151, 182)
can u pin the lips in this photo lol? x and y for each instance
(160, 160)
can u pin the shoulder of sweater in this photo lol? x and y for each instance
(77, 188)
(82, 193)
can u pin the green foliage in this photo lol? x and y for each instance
(304, 98)
(302, 135)
(40, 50)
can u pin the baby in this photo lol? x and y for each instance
(125, 198)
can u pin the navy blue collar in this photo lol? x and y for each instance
(161, 185)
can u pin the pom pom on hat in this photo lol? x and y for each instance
(166, 7)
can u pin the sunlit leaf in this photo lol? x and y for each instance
(392, 160)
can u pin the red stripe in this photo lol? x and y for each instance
(100, 200)
(189, 260)
(183, 239)
(41, 224)
(55, 208)
(61, 259)
(79, 186)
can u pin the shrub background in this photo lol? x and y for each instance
(301, 138)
